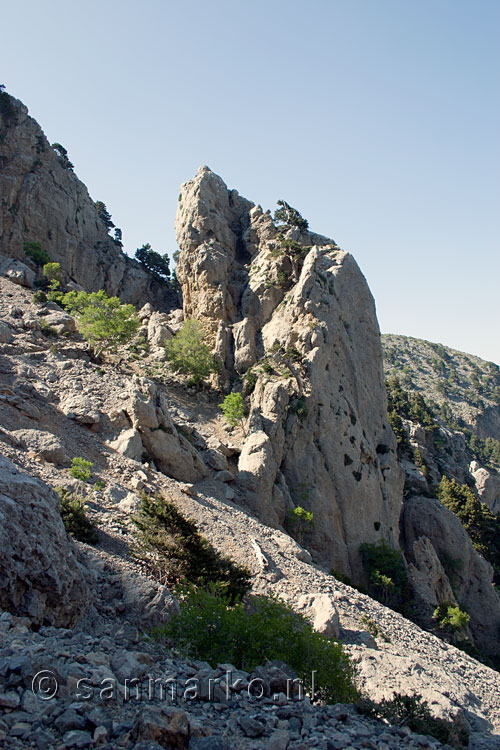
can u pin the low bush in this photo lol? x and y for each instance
(388, 580)
(35, 251)
(211, 628)
(412, 711)
(74, 517)
(301, 520)
(81, 469)
(450, 617)
(233, 408)
(189, 354)
(175, 552)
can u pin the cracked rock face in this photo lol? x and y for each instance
(42, 201)
(291, 314)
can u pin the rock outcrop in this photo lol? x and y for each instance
(291, 313)
(41, 576)
(432, 531)
(43, 201)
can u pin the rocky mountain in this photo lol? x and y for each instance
(42, 200)
(292, 315)
(292, 322)
(85, 615)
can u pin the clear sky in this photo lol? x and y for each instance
(378, 119)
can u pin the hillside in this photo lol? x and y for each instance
(464, 387)
(328, 487)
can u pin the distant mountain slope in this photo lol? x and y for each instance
(464, 387)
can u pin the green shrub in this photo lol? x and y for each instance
(210, 628)
(388, 580)
(74, 517)
(189, 354)
(35, 251)
(103, 321)
(233, 408)
(81, 468)
(176, 552)
(52, 272)
(299, 407)
(47, 329)
(413, 712)
(450, 617)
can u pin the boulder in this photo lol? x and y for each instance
(129, 444)
(5, 333)
(42, 575)
(321, 611)
(172, 453)
(147, 602)
(46, 445)
(81, 409)
(158, 331)
(17, 272)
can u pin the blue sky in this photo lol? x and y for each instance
(378, 119)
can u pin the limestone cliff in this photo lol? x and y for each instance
(42, 201)
(291, 313)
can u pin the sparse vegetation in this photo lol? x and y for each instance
(301, 521)
(189, 354)
(450, 617)
(233, 409)
(368, 624)
(52, 272)
(36, 253)
(104, 214)
(386, 571)
(62, 156)
(81, 469)
(74, 517)
(211, 628)
(6, 107)
(175, 552)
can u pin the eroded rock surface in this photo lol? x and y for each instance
(41, 575)
(297, 321)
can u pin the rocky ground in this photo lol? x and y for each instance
(55, 403)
